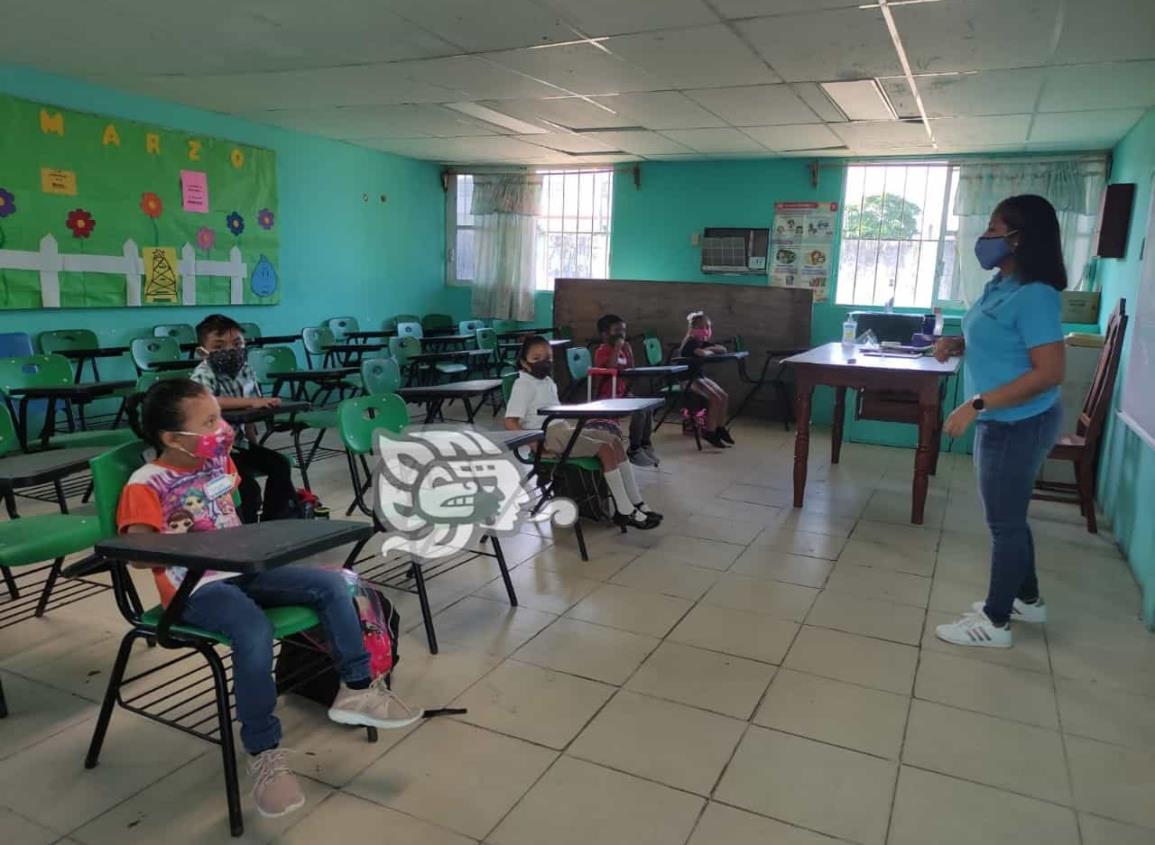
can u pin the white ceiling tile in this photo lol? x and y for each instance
(1118, 85)
(881, 134)
(474, 78)
(570, 112)
(972, 94)
(351, 123)
(136, 37)
(615, 17)
(476, 26)
(840, 44)
(660, 110)
(1004, 129)
(812, 94)
(981, 148)
(977, 34)
(715, 140)
(1105, 127)
(732, 9)
(1107, 29)
(640, 143)
(786, 138)
(702, 57)
(568, 142)
(895, 152)
(614, 158)
(341, 86)
(579, 68)
(757, 105)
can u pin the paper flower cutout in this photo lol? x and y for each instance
(151, 205)
(236, 223)
(266, 218)
(7, 203)
(81, 223)
(206, 238)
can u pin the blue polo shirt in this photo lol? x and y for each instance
(1009, 320)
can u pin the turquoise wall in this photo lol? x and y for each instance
(1127, 472)
(339, 254)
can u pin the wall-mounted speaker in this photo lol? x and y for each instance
(1115, 220)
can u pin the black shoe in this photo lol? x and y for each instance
(714, 439)
(724, 434)
(648, 514)
(632, 520)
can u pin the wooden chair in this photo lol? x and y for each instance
(1082, 447)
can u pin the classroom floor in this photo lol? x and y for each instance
(746, 674)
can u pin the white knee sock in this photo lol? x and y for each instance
(622, 501)
(630, 484)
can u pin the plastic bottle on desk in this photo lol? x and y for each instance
(849, 331)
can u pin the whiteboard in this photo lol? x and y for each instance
(1137, 407)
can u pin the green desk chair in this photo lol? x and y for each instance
(439, 322)
(470, 326)
(361, 421)
(147, 352)
(53, 371)
(390, 323)
(146, 380)
(206, 709)
(408, 344)
(410, 329)
(70, 340)
(341, 326)
(486, 338)
(578, 360)
(317, 340)
(380, 376)
(31, 540)
(501, 326)
(251, 331)
(180, 332)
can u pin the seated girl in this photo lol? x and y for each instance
(698, 344)
(535, 389)
(182, 421)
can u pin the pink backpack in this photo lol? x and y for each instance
(380, 623)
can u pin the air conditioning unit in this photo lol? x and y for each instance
(730, 250)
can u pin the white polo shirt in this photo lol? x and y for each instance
(529, 394)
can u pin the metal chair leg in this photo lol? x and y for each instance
(3, 702)
(111, 692)
(228, 750)
(500, 555)
(423, 597)
(10, 583)
(49, 584)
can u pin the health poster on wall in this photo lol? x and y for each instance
(802, 254)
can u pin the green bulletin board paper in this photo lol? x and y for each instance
(94, 182)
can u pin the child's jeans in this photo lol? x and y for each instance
(233, 608)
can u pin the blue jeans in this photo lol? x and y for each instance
(233, 608)
(1008, 456)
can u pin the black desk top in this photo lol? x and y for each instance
(271, 339)
(355, 347)
(473, 387)
(662, 370)
(525, 332)
(447, 338)
(325, 374)
(369, 334)
(449, 355)
(24, 470)
(250, 415)
(84, 354)
(247, 548)
(84, 390)
(516, 439)
(600, 408)
(168, 366)
(716, 358)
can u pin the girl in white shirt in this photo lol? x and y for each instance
(535, 389)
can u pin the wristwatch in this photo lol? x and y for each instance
(978, 403)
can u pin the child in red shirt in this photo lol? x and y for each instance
(615, 353)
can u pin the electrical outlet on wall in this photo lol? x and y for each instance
(696, 239)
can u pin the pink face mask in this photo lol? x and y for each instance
(215, 444)
(701, 334)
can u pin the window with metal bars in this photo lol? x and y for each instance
(899, 236)
(573, 227)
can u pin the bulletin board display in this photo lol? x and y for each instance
(98, 211)
(803, 246)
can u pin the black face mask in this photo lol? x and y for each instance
(227, 362)
(617, 337)
(540, 369)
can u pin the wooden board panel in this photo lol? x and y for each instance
(767, 318)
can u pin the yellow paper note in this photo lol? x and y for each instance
(54, 181)
(161, 276)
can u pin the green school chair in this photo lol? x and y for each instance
(180, 332)
(110, 473)
(251, 331)
(431, 322)
(341, 326)
(317, 340)
(470, 326)
(380, 376)
(149, 353)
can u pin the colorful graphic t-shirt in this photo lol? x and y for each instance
(177, 501)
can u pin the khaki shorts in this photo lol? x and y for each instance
(588, 443)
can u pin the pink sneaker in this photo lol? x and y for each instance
(374, 707)
(275, 788)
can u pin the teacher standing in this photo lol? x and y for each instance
(1013, 340)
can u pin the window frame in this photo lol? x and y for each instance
(944, 233)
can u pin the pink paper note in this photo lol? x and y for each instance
(194, 187)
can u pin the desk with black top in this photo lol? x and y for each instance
(268, 412)
(842, 368)
(371, 335)
(30, 469)
(444, 341)
(505, 335)
(272, 340)
(80, 394)
(583, 412)
(436, 395)
(351, 352)
(328, 378)
(90, 356)
(170, 366)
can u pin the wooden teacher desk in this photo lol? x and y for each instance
(843, 368)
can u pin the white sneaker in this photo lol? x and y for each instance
(276, 791)
(641, 458)
(975, 629)
(649, 450)
(1021, 611)
(374, 707)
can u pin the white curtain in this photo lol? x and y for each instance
(1074, 187)
(505, 208)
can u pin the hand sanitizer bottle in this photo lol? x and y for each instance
(849, 331)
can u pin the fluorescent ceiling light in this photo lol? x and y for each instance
(897, 3)
(520, 127)
(860, 100)
(596, 42)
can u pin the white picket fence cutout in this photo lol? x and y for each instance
(50, 262)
